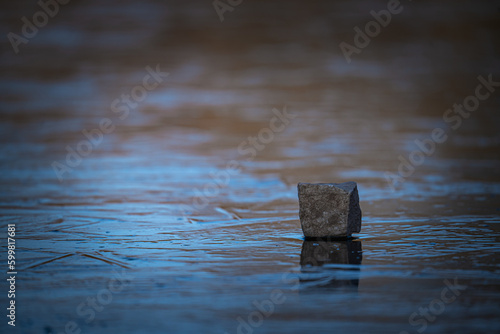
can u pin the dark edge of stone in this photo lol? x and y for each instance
(353, 199)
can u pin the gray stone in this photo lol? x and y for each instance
(329, 209)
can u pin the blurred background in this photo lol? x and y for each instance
(133, 202)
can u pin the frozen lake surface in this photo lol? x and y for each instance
(152, 232)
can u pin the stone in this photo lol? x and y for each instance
(329, 210)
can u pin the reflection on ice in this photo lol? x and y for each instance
(330, 264)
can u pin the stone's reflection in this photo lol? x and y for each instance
(330, 264)
(318, 252)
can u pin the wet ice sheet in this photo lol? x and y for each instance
(128, 210)
(219, 270)
(199, 270)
